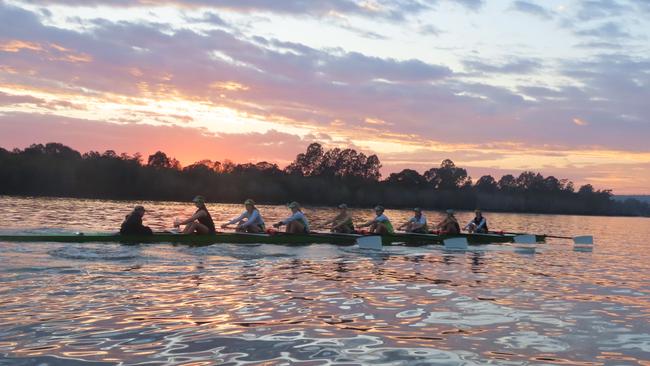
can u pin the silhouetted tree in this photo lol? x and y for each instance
(407, 178)
(161, 160)
(316, 176)
(586, 189)
(507, 183)
(530, 181)
(486, 184)
(308, 163)
(447, 177)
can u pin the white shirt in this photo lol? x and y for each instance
(422, 220)
(479, 226)
(382, 218)
(298, 216)
(253, 218)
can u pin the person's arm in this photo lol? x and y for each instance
(468, 225)
(341, 222)
(373, 221)
(235, 220)
(287, 220)
(253, 218)
(297, 216)
(418, 224)
(194, 217)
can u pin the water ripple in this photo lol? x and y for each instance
(67, 304)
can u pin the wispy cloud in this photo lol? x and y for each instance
(531, 8)
(200, 69)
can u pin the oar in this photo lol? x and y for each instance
(577, 240)
(558, 236)
(581, 240)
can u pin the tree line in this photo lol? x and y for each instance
(315, 177)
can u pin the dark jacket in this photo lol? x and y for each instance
(207, 220)
(132, 225)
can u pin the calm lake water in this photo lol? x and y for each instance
(111, 304)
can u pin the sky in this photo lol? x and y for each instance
(560, 87)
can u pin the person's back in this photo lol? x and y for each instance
(206, 219)
(453, 227)
(132, 224)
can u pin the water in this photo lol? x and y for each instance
(110, 304)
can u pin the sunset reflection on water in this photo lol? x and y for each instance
(318, 304)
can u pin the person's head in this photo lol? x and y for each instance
(450, 212)
(199, 201)
(379, 209)
(478, 213)
(343, 207)
(250, 204)
(294, 206)
(139, 210)
(417, 211)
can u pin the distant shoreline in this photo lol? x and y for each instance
(317, 177)
(308, 205)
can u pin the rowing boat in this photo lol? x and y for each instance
(244, 238)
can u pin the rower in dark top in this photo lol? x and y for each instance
(132, 224)
(478, 224)
(201, 222)
(449, 225)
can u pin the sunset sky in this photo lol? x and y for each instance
(556, 86)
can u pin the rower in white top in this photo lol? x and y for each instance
(297, 223)
(417, 223)
(248, 222)
(478, 224)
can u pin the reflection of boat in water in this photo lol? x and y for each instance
(275, 238)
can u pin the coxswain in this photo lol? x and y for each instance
(132, 224)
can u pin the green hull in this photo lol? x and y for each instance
(282, 239)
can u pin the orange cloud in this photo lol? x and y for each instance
(17, 46)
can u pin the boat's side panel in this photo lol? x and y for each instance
(280, 238)
(285, 239)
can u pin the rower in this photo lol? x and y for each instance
(478, 223)
(417, 223)
(297, 223)
(201, 222)
(449, 225)
(380, 224)
(342, 223)
(250, 221)
(132, 224)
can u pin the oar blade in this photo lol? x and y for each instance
(455, 244)
(525, 239)
(372, 242)
(583, 240)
